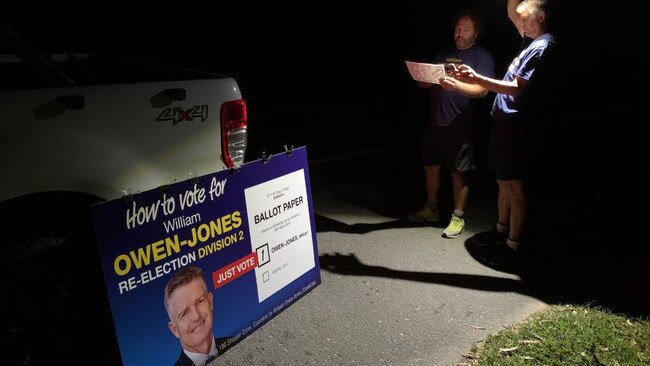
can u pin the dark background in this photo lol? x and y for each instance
(328, 49)
(330, 75)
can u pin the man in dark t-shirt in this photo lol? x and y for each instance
(453, 107)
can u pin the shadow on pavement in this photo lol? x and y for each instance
(349, 264)
(324, 223)
(574, 253)
(620, 286)
(557, 274)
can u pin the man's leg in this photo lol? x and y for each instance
(518, 211)
(503, 206)
(512, 207)
(432, 184)
(461, 191)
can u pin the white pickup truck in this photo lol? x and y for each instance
(75, 130)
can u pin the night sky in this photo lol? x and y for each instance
(341, 53)
(300, 56)
(328, 47)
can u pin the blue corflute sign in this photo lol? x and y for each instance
(196, 266)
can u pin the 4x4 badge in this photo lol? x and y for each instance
(178, 114)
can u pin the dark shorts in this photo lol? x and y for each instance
(509, 151)
(449, 147)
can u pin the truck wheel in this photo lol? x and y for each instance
(53, 281)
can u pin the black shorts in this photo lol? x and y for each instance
(509, 152)
(449, 147)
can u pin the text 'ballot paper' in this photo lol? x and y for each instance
(429, 73)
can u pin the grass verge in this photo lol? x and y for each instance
(568, 335)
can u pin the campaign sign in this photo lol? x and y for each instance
(250, 232)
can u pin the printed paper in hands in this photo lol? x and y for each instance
(429, 73)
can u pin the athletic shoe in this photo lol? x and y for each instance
(488, 238)
(425, 214)
(500, 254)
(456, 226)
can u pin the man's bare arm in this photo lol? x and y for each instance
(514, 16)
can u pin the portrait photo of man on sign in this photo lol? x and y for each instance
(190, 307)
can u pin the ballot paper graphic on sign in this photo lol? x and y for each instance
(279, 229)
(429, 73)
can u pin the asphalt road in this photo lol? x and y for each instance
(391, 292)
(394, 293)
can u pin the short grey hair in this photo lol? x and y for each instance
(534, 7)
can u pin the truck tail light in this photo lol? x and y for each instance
(234, 122)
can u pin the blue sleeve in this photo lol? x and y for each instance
(528, 64)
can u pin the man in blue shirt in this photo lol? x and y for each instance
(514, 112)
